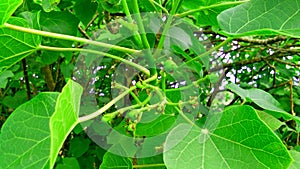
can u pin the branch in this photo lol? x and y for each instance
(246, 62)
(287, 63)
(112, 102)
(137, 66)
(262, 41)
(48, 77)
(292, 97)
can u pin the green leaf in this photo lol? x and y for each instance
(263, 100)
(49, 57)
(85, 10)
(7, 8)
(62, 22)
(270, 120)
(4, 78)
(65, 117)
(205, 17)
(153, 124)
(258, 96)
(16, 100)
(156, 161)
(241, 140)
(113, 161)
(267, 17)
(16, 45)
(25, 136)
(78, 146)
(32, 19)
(49, 5)
(68, 163)
(112, 6)
(296, 156)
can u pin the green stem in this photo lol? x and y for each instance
(159, 5)
(112, 102)
(139, 67)
(145, 42)
(175, 6)
(70, 38)
(148, 165)
(136, 35)
(166, 27)
(195, 83)
(208, 52)
(157, 89)
(210, 7)
(106, 107)
(117, 85)
(163, 35)
(185, 117)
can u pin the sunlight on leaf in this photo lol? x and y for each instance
(16, 45)
(262, 17)
(25, 136)
(270, 120)
(233, 144)
(113, 161)
(65, 117)
(296, 156)
(7, 8)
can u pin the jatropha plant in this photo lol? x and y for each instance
(149, 84)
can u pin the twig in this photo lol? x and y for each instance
(25, 72)
(89, 24)
(262, 41)
(291, 97)
(287, 63)
(216, 87)
(83, 32)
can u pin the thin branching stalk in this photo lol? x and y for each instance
(69, 38)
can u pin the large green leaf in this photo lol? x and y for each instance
(262, 17)
(25, 136)
(7, 8)
(113, 161)
(65, 117)
(16, 45)
(241, 140)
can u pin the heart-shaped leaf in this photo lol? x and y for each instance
(25, 136)
(241, 140)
